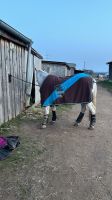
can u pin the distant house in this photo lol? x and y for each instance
(88, 71)
(18, 61)
(58, 68)
(110, 69)
(100, 76)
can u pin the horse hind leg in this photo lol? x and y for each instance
(46, 117)
(92, 108)
(81, 115)
(92, 115)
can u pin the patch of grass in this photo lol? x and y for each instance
(106, 84)
(15, 168)
(64, 107)
(28, 150)
(7, 127)
(30, 115)
(24, 155)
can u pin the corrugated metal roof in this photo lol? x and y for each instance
(72, 65)
(34, 52)
(13, 32)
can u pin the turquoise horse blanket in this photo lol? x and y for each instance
(66, 90)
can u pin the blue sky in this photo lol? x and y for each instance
(75, 31)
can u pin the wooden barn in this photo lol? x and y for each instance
(18, 61)
(110, 69)
(58, 68)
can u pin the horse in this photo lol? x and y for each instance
(54, 90)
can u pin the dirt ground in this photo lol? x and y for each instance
(61, 162)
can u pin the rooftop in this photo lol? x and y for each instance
(9, 33)
(110, 62)
(68, 65)
(7, 29)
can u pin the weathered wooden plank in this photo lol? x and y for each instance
(23, 77)
(5, 101)
(12, 80)
(17, 83)
(3, 64)
(15, 80)
(7, 80)
(13, 70)
(26, 56)
(20, 76)
(1, 88)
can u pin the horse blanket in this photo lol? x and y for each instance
(66, 90)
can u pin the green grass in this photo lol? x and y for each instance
(106, 84)
(64, 107)
(28, 148)
(7, 126)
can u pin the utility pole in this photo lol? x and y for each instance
(84, 65)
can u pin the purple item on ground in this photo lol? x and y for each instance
(3, 142)
(7, 144)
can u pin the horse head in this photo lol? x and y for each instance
(41, 76)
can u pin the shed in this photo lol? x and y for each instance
(110, 69)
(58, 68)
(18, 61)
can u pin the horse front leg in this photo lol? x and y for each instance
(54, 117)
(81, 114)
(46, 116)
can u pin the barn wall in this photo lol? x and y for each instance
(15, 95)
(55, 69)
(13, 60)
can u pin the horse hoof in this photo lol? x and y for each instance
(43, 126)
(76, 124)
(91, 127)
(52, 122)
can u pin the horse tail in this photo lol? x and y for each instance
(94, 92)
